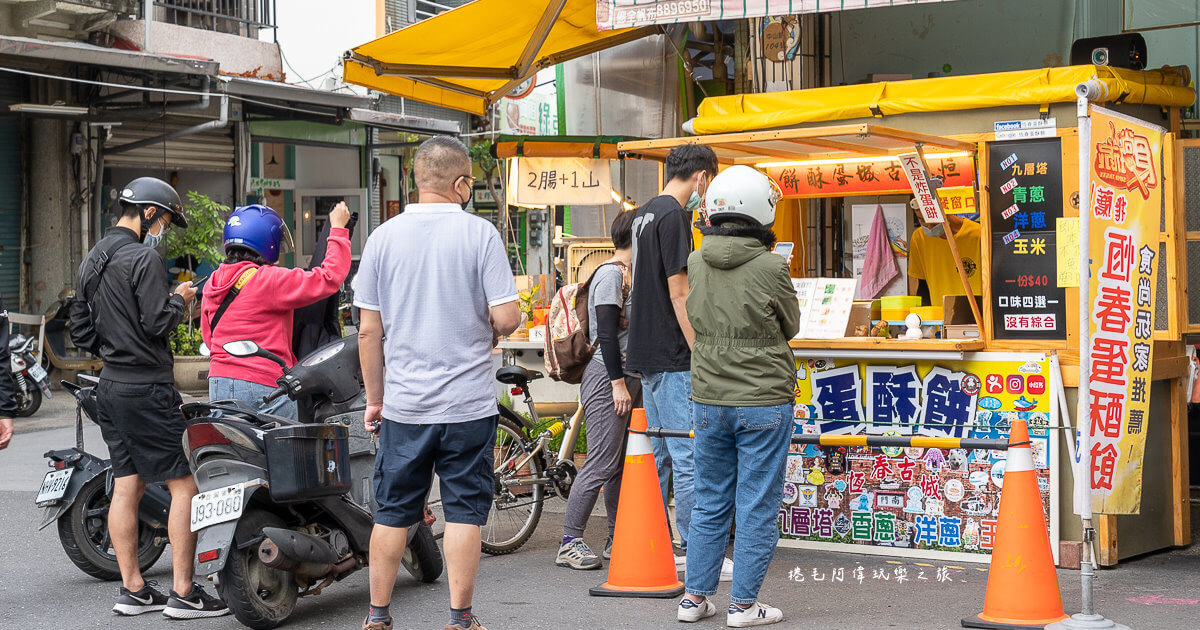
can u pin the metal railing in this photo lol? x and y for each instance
(239, 17)
(424, 9)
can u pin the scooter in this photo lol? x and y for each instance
(30, 377)
(285, 507)
(77, 492)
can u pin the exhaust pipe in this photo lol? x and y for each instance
(301, 554)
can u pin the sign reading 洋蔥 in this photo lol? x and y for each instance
(827, 178)
(918, 179)
(562, 181)
(1124, 208)
(1026, 201)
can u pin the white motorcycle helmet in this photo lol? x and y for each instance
(742, 192)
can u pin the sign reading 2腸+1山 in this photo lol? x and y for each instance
(927, 500)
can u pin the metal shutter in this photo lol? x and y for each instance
(10, 197)
(210, 150)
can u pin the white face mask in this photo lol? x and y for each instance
(936, 231)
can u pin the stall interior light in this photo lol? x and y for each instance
(617, 198)
(49, 110)
(857, 160)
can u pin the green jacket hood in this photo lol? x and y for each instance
(730, 247)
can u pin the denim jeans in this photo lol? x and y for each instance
(752, 443)
(225, 388)
(668, 403)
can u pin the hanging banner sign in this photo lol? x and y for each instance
(918, 179)
(612, 14)
(1125, 203)
(920, 502)
(562, 181)
(855, 176)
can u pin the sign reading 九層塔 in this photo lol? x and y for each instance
(1125, 203)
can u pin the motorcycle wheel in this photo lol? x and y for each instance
(29, 402)
(422, 558)
(259, 596)
(83, 532)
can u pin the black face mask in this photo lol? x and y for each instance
(466, 202)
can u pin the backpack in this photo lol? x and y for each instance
(567, 347)
(83, 323)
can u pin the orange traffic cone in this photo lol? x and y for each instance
(642, 564)
(1022, 588)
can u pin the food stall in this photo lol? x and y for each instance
(1006, 150)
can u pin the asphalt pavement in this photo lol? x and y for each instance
(41, 589)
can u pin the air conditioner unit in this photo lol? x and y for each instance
(584, 257)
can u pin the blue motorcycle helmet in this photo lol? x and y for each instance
(255, 227)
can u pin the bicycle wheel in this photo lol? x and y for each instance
(516, 506)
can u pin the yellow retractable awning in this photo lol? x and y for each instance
(468, 58)
(772, 110)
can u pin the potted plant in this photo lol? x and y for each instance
(525, 303)
(199, 244)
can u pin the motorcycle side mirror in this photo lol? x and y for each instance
(245, 348)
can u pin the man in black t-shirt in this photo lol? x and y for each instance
(660, 336)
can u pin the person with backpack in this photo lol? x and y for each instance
(124, 312)
(607, 395)
(248, 297)
(743, 309)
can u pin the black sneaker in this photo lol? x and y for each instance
(146, 600)
(196, 605)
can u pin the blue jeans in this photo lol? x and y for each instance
(225, 388)
(752, 443)
(667, 398)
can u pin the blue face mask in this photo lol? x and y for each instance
(693, 202)
(937, 231)
(153, 240)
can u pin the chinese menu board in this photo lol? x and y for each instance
(1025, 197)
(927, 500)
(852, 176)
(562, 181)
(1123, 215)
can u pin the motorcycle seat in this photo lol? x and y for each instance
(516, 375)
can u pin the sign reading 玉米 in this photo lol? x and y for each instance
(1124, 208)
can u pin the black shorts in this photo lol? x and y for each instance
(460, 453)
(143, 427)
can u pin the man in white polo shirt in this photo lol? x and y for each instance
(436, 291)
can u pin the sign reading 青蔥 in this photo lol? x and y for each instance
(829, 178)
(562, 181)
(927, 500)
(612, 14)
(1026, 201)
(1125, 204)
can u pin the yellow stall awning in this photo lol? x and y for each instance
(468, 58)
(772, 110)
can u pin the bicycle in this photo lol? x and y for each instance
(526, 471)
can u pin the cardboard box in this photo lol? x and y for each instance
(860, 315)
(962, 331)
(957, 310)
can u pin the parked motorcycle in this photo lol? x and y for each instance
(285, 507)
(31, 378)
(77, 492)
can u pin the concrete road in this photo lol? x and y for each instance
(41, 589)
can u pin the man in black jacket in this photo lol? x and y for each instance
(8, 389)
(133, 313)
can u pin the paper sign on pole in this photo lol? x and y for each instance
(918, 180)
(1126, 200)
(562, 181)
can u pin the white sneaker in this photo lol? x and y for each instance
(757, 615)
(726, 570)
(689, 611)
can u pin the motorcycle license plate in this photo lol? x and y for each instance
(54, 485)
(37, 372)
(217, 506)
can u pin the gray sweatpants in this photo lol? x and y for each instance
(606, 433)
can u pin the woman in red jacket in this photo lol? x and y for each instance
(261, 309)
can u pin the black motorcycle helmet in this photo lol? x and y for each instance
(154, 192)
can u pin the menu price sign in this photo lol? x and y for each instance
(1025, 197)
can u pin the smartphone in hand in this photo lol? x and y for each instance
(784, 248)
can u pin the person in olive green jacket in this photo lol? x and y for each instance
(743, 308)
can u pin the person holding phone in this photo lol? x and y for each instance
(249, 297)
